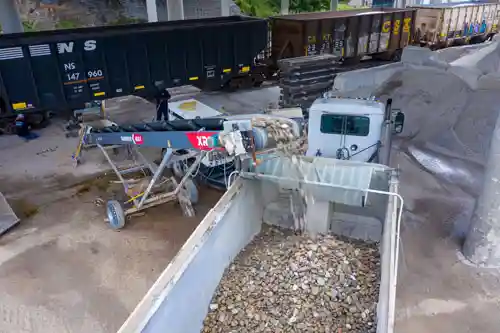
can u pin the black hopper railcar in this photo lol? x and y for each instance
(67, 69)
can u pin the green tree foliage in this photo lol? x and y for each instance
(260, 8)
(265, 8)
(299, 6)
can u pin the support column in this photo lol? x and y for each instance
(318, 216)
(225, 6)
(9, 17)
(152, 10)
(334, 4)
(482, 244)
(175, 10)
(285, 7)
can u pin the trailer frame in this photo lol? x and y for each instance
(184, 191)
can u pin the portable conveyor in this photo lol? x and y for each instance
(242, 137)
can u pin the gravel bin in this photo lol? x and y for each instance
(282, 282)
(240, 271)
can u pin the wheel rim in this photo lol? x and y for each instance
(112, 215)
(178, 169)
(115, 217)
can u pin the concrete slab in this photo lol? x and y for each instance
(438, 291)
(64, 270)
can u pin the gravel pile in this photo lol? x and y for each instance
(287, 283)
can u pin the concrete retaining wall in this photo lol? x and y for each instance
(478, 68)
(77, 13)
(364, 78)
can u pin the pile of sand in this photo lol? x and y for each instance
(451, 101)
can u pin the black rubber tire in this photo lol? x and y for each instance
(192, 190)
(396, 56)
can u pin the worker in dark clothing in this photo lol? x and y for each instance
(162, 104)
(23, 129)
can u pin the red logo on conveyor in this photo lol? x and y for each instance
(199, 140)
(137, 138)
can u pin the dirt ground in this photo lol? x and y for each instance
(64, 270)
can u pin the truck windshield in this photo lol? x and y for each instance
(347, 125)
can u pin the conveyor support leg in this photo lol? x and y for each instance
(157, 174)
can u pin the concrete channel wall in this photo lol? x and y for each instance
(178, 301)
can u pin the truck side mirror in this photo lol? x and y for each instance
(399, 121)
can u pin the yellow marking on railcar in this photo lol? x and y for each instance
(19, 106)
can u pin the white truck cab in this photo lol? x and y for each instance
(349, 128)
